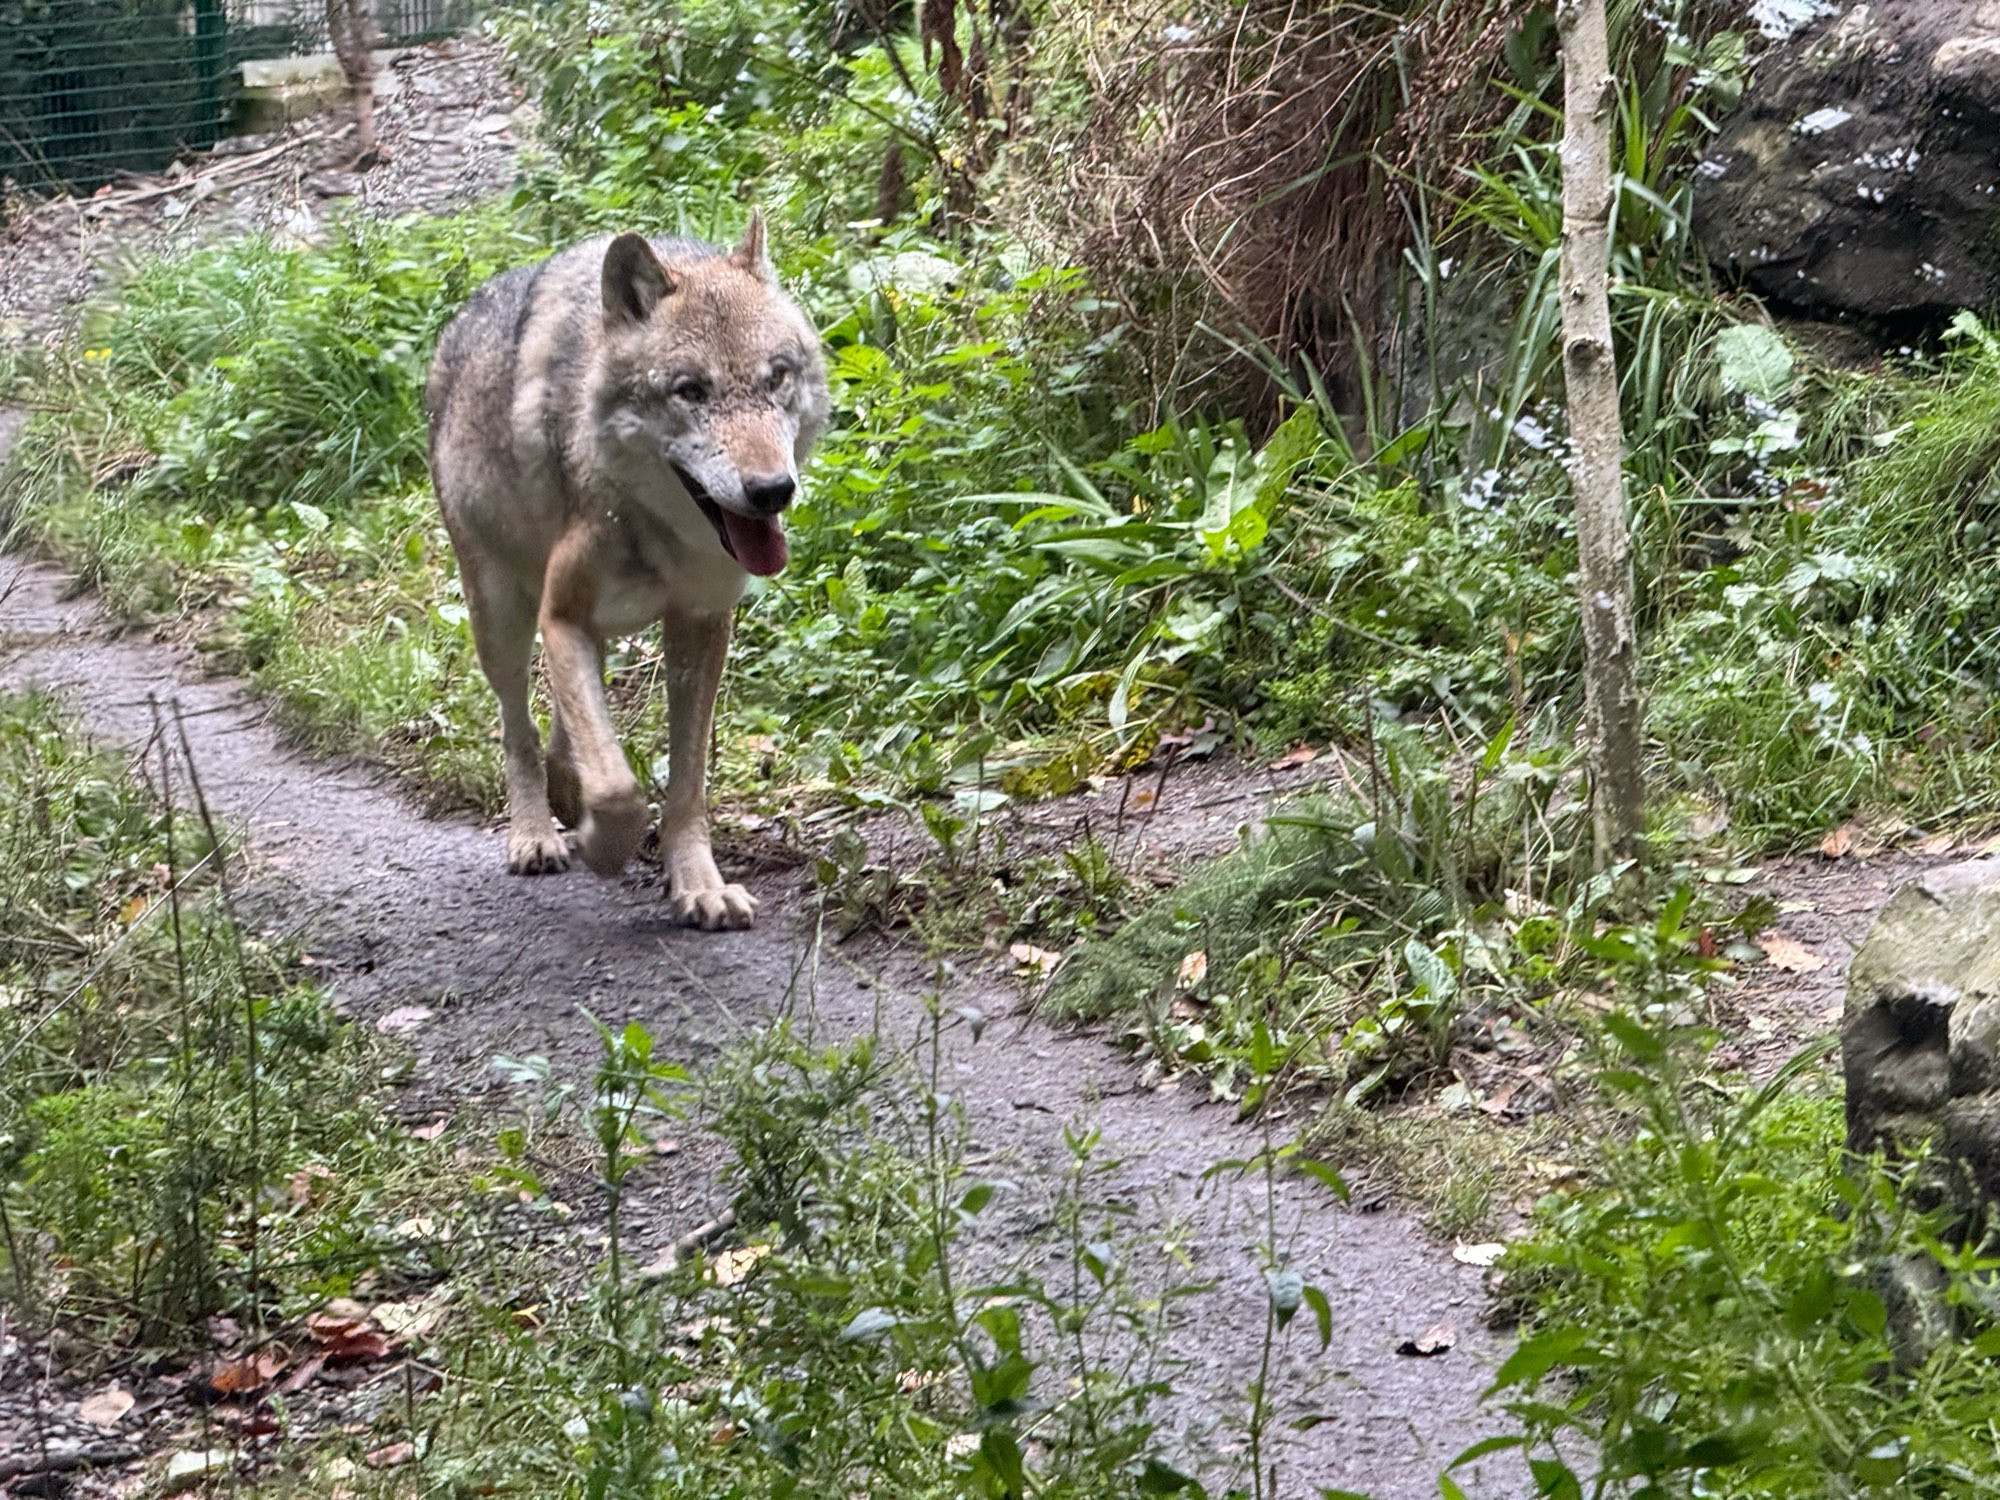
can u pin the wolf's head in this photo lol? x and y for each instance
(712, 370)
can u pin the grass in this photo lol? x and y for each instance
(1005, 581)
(167, 1074)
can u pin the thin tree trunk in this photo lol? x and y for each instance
(1590, 380)
(350, 26)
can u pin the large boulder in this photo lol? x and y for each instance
(1862, 172)
(1920, 1035)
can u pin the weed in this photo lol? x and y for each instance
(1359, 928)
(1709, 1308)
(854, 1338)
(166, 1075)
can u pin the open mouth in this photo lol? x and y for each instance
(756, 542)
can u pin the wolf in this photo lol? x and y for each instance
(614, 435)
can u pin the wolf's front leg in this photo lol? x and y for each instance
(696, 647)
(613, 808)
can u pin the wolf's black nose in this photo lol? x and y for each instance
(769, 495)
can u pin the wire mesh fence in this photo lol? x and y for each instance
(90, 89)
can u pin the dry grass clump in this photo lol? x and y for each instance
(1253, 169)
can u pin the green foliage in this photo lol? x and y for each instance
(851, 1342)
(161, 1073)
(1841, 657)
(1716, 1311)
(1356, 932)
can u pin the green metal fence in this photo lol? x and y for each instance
(93, 88)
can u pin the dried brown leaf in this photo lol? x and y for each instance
(1028, 956)
(731, 1266)
(107, 1407)
(403, 1020)
(251, 1373)
(1789, 954)
(391, 1456)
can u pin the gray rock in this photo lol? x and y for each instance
(1862, 172)
(1920, 1034)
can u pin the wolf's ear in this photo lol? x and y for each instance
(634, 280)
(751, 255)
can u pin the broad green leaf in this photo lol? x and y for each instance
(1754, 361)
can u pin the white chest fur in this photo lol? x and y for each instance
(648, 567)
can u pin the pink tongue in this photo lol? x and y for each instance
(759, 542)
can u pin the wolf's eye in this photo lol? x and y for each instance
(691, 390)
(781, 374)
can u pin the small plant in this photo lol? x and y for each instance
(184, 1126)
(837, 1331)
(1357, 929)
(1708, 1309)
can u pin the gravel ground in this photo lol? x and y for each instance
(446, 118)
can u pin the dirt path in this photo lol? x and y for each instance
(407, 910)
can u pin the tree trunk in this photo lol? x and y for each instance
(1597, 479)
(350, 26)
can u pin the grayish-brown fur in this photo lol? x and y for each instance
(610, 430)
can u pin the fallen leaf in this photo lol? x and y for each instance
(1784, 953)
(1793, 908)
(1028, 956)
(107, 1408)
(132, 910)
(1298, 755)
(1937, 843)
(1193, 970)
(346, 1338)
(300, 1184)
(390, 1457)
(731, 1266)
(1433, 1340)
(403, 1020)
(1495, 1103)
(1481, 1255)
(251, 1373)
(302, 1376)
(1141, 800)
(408, 1320)
(433, 1130)
(188, 1469)
(1838, 842)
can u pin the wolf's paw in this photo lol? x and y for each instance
(536, 851)
(612, 831)
(715, 907)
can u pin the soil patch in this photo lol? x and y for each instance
(445, 116)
